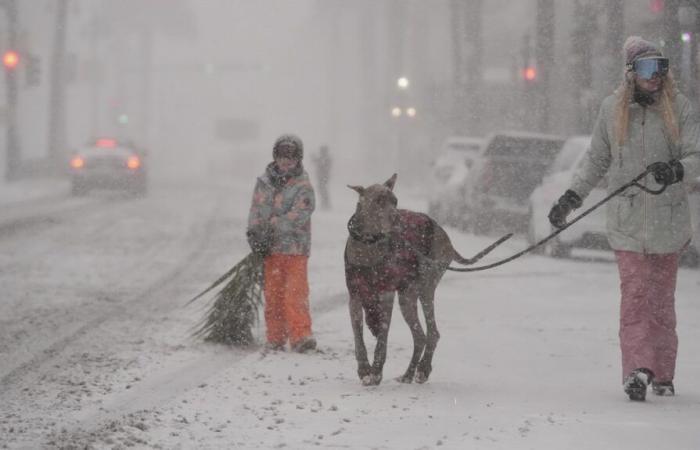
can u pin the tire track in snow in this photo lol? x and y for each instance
(197, 238)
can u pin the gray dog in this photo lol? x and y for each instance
(395, 250)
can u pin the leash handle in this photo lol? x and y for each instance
(633, 182)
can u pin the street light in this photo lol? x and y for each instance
(402, 83)
(10, 59)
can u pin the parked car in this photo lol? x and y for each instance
(448, 177)
(109, 164)
(590, 231)
(508, 168)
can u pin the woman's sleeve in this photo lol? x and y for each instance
(597, 159)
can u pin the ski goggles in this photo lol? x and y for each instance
(646, 68)
(286, 151)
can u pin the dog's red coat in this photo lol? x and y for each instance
(413, 233)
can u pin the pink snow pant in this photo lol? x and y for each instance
(647, 313)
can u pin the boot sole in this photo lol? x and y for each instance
(637, 395)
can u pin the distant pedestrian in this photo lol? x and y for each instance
(645, 124)
(323, 164)
(279, 226)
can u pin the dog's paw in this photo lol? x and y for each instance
(406, 378)
(371, 380)
(421, 377)
(364, 372)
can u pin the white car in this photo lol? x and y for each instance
(448, 176)
(589, 232)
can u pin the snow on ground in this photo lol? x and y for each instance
(528, 357)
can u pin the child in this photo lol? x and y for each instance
(279, 227)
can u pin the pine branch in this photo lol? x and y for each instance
(234, 310)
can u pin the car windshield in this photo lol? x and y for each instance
(463, 147)
(511, 147)
(514, 166)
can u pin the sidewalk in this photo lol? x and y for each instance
(31, 189)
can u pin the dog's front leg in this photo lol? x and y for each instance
(387, 306)
(356, 317)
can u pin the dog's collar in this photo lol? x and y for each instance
(365, 238)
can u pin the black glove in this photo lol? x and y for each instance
(260, 239)
(666, 172)
(566, 203)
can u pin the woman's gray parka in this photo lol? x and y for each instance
(638, 221)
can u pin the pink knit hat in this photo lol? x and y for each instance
(636, 47)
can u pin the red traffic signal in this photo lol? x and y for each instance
(10, 59)
(529, 73)
(656, 6)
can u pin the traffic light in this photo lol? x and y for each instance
(656, 6)
(10, 59)
(33, 72)
(529, 74)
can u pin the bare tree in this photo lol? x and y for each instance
(582, 38)
(468, 49)
(544, 55)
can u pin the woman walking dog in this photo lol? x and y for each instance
(645, 124)
(279, 227)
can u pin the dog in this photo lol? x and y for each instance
(388, 251)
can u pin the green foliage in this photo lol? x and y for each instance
(234, 310)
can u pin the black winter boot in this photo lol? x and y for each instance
(663, 388)
(636, 383)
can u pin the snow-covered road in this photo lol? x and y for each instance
(95, 349)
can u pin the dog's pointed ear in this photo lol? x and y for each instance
(391, 182)
(359, 189)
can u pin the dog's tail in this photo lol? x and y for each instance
(467, 261)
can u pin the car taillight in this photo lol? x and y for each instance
(77, 162)
(106, 143)
(133, 162)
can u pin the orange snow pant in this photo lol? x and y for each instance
(286, 298)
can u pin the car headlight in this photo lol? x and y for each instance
(133, 162)
(77, 162)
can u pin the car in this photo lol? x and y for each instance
(590, 232)
(508, 168)
(108, 163)
(448, 176)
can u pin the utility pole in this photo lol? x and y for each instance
(474, 66)
(146, 44)
(614, 35)
(581, 45)
(373, 104)
(671, 33)
(692, 88)
(544, 55)
(13, 154)
(57, 103)
(95, 68)
(529, 80)
(459, 73)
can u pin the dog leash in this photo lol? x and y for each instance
(633, 182)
